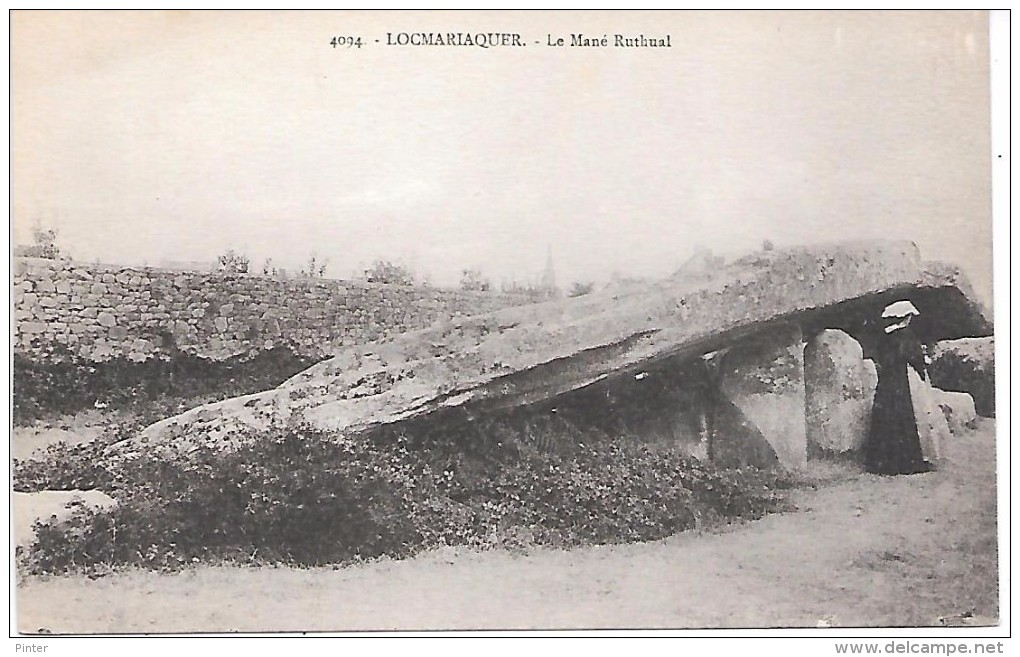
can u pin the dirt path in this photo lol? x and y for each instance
(871, 551)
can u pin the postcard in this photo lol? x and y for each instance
(367, 321)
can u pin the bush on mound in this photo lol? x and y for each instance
(306, 498)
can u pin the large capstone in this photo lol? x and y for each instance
(839, 391)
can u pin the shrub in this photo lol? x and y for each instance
(384, 271)
(233, 263)
(472, 280)
(581, 289)
(44, 244)
(316, 268)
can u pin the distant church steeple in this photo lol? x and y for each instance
(549, 275)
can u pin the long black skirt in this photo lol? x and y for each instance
(893, 446)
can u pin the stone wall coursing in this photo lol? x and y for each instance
(73, 311)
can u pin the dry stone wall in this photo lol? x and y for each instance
(67, 311)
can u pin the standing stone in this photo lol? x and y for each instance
(932, 425)
(761, 383)
(839, 392)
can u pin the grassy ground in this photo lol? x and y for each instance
(863, 551)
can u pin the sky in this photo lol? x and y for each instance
(146, 137)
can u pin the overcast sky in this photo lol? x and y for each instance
(174, 136)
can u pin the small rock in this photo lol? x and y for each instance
(959, 409)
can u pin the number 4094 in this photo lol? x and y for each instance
(345, 42)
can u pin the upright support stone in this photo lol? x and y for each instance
(932, 424)
(763, 380)
(839, 392)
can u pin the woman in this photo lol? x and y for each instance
(894, 446)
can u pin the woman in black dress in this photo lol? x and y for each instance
(893, 446)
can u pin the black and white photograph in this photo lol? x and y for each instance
(349, 322)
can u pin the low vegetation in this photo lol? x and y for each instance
(153, 389)
(303, 497)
